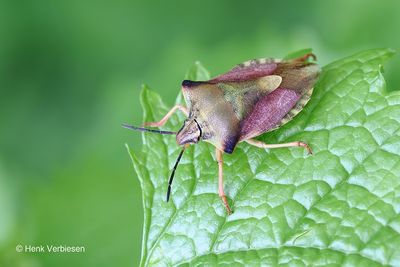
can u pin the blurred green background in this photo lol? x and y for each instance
(71, 72)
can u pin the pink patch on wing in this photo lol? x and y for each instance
(246, 73)
(268, 112)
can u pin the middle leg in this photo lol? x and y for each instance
(264, 145)
(221, 181)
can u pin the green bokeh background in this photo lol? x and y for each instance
(71, 72)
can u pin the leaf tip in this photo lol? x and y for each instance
(127, 146)
(128, 149)
(133, 157)
(392, 50)
(197, 72)
(144, 89)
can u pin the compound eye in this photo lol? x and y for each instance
(189, 134)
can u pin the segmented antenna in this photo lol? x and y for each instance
(131, 127)
(173, 171)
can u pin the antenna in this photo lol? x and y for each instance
(131, 127)
(173, 171)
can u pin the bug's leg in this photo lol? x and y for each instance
(264, 145)
(167, 116)
(221, 180)
(306, 57)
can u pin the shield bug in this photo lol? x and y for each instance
(254, 97)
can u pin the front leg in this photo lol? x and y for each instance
(264, 145)
(221, 181)
(167, 116)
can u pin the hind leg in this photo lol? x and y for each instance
(291, 144)
(305, 57)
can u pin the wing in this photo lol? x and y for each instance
(245, 94)
(281, 105)
(295, 110)
(248, 70)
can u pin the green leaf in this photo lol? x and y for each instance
(338, 207)
(197, 72)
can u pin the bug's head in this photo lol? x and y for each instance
(190, 133)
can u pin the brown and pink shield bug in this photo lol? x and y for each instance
(254, 97)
